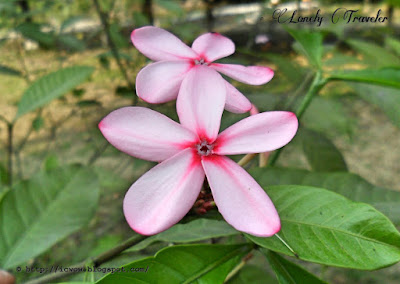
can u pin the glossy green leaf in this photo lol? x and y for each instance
(335, 119)
(9, 71)
(203, 263)
(389, 77)
(52, 86)
(254, 275)
(327, 228)
(387, 99)
(289, 273)
(349, 185)
(375, 53)
(38, 213)
(310, 43)
(321, 153)
(194, 231)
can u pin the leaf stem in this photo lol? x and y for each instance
(238, 267)
(317, 84)
(96, 261)
(246, 159)
(114, 50)
(286, 245)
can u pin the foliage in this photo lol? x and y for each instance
(68, 212)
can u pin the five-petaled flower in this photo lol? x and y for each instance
(160, 82)
(192, 150)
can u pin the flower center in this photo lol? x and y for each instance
(200, 61)
(204, 149)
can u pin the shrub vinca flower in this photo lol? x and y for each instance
(191, 150)
(160, 82)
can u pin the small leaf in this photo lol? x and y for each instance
(88, 103)
(197, 230)
(33, 31)
(38, 213)
(70, 22)
(349, 185)
(38, 123)
(326, 228)
(289, 273)
(380, 56)
(51, 163)
(321, 153)
(386, 77)
(310, 43)
(203, 263)
(52, 86)
(9, 71)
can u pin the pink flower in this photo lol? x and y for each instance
(159, 82)
(192, 150)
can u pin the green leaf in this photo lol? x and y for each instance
(289, 273)
(51, 163)
(33, 31)
(38, 213)
(387, 99)
(183, 264)
(386, 77)
(71, 42)
(310, 44)
(394, 44)
(335, 119)
(321, 153)
(88, 103)
(349, 185)
(197, 230)
(9, 71)
(379, 55)
(327, 228)
(52, 86)
(38, 123)
(252, 274)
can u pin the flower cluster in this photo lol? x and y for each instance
(194, 149)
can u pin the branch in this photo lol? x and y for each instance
(113, 47)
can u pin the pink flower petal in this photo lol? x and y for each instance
(144, 133)
(258, 133)
(158, 44)
(213, 46)
(252, 75)
(201, 102)
(163, 195)
(159, 82)
(236, 102)
(239, 198)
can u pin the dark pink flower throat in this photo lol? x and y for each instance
(204, 148)
(200, 61)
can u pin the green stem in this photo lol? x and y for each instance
(317, 84)
(97, 261)
(10, 152)
(114, 50)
